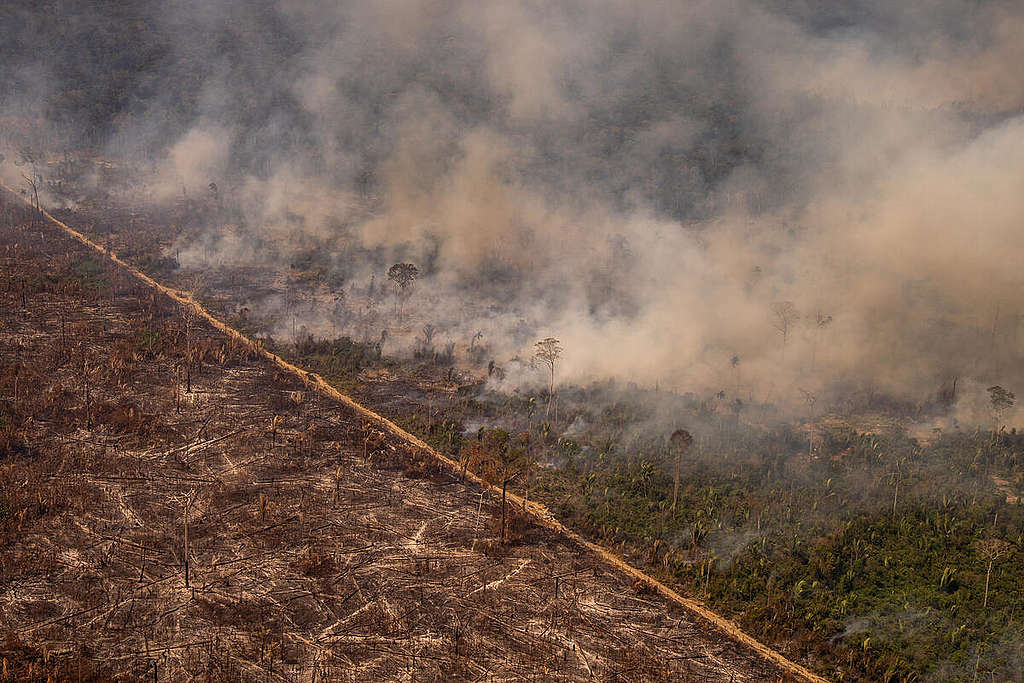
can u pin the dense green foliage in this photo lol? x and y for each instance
(818, 557)
(339, 358)
(861, 552)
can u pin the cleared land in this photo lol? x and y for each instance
(175, 506)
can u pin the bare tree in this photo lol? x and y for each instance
(680, 441)
(193, 287)
(368, 317)
(402, 275)
(547, 351)
(991, 549)
(947, 393)
(338, 312)
(897, 479)
(786, 316)
(186, 548)
(33, 184)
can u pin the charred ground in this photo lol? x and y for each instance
(854, 539)
(216, 518)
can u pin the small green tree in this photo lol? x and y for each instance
(501, 458)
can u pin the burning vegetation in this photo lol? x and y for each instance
(731, 288)
(240, 524)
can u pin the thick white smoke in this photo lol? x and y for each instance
(653, 182)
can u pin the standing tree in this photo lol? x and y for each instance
(810, 399)
(193, 289)
(991, 549)
(33, 184)
(680, 441)
(786, 316)
(186, 546)
(547, 351)
(339, 313)
(501, 459)
(402, 275)
(735, 363)
(897, 478)
(821, 321)
(1001, 400)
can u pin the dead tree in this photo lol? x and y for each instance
(786, 316)
(680, 441)
(897, 479)
(194, 285)
(33, 184)
(188, 504)
(177, 388)
(547, 352)
(991, 549)
(87, 377)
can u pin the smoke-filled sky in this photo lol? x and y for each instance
(650, 181)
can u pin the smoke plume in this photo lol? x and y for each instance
(779, 199)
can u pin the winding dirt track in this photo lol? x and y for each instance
(540, 512)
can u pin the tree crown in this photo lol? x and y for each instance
(548, 350)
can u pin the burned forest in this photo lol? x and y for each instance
(497, 340)
(242, 525)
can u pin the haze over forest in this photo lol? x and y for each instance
(781, 198)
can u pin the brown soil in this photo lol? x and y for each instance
(321, 546)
